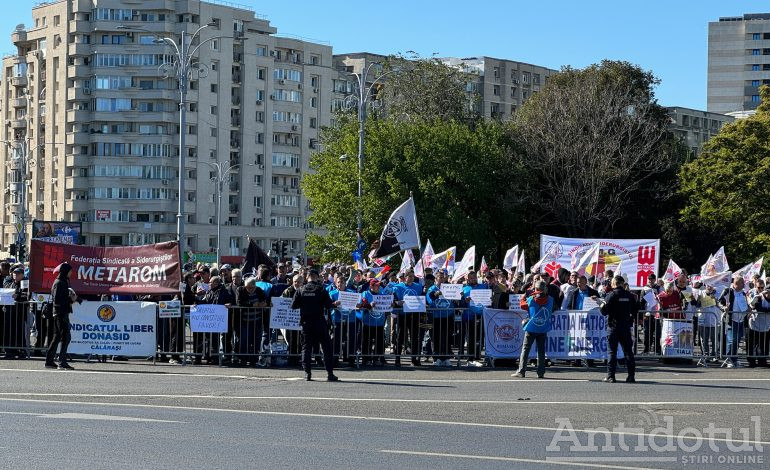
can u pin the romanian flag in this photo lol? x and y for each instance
(382, 273)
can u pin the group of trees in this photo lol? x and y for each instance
(589, 155)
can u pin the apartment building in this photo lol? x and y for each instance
(86, 90)
(695, 127)
(738, 62)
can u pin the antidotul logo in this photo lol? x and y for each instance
(395, 227)
(106, 313)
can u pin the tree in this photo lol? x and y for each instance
(459, 176)
(726, 190)
(595, 138)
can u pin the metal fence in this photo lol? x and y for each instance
(443, 337)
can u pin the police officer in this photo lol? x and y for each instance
(619, 307)
(311, 300)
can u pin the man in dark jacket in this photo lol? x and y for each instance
(619, 307)
(313, 300)
(217, 295)
(62, 300)
(16, 317)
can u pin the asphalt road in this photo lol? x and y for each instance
(136, 415)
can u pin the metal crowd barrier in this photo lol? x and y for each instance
(449, 336)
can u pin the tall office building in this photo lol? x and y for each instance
(101, 121)
(695, 127)
(738, 62)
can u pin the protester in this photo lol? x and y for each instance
(470, 327)
(372, 327)
(251, 301)
(758, 338)
(539, 307)
(344, 321)
(735, 305)
(62, 298)
(16, 317)
(292, 337)
(708, 320)
(312, 301)
(671, 301)
(619, 307)
(217, 295)
(649, 304)
(407, 323)
(442, 311)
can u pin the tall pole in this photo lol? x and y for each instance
(182, 71)
(361, 137)
(219, 211)
(22, 232)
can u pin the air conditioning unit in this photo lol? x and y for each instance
(272, 96)
(259, 102)
(261, 167)
(272, 53)
(86, 91)
(299, 86)
(258, 210)
(164, 182)
(294, 127)
(53, 180)
(315, 90)
(282, 81)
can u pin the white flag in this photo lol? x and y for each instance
(748, 271)
(444, 260)
(466, 265)
(704, 268)
(407, 262)
(672, 271)
(763, 275)
(418, 270)
(588, 263)
(427, 254)
(511, 259)
(720, 261)
(521, 265)
(400, 232)
(718, 281)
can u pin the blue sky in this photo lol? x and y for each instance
(667, 37)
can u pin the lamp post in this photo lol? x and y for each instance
(182, 67)
(222, 170)
(360, 100)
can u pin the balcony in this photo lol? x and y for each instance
(78, 26)
(236, 100)
(78, 94)
(235, 121)
(234, 186)
(20, 35)
(79, 48)
(76, 182)
(78, 115)
(73, 160)
(75, 71)
(19, 102)
(78, 138)
(15, 207)
(233, 208)
(237, 56)
(237, 78)
(18, 123)
(19, 81)
(77, 205)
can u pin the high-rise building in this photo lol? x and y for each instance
(738, 62)
(86, 92)
(695, 127)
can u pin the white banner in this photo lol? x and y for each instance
(639, 257)
(503, 333)
(282, 316)
(676, 338)
(169, 309)
(113, 328)
(208, 319)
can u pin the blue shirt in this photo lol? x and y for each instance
(472, 310)
(267, 288)
(401, 290)
(438, 307)
(367, 315)
(539, 316)
(581, 296)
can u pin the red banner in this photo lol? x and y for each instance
(144, 269)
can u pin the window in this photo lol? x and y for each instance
(496, 90)
(260, 95)
(260, 116)
(116, 239)
(756, 36)
(766, 51)
(56, 20)
(146, 39)
(213, 131)
(213, 87)
(261, 51)
(685, 120)
(536, 79)
(260, 74)
(314, 102)
(287, 74)
(290, 160)
(214, 44)
(314, 81)
(755, 99)
(313, 123)
(755, 67)
(755, 52)
(755, 83)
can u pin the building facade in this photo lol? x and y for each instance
(738, 62)
(695, 127)
(86, 94)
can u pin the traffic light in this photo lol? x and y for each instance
(12, 249)
(284, 248)
(276, 248)
(22, 252)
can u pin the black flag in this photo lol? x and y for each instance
(254, 257)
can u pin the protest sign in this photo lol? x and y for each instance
(452, 291)
(676, 338)
(349, 300)
(590, 304)
(121, 328)
(6, 296)
(482, 297)
(382, 303)
(169, 309)
(282, 316)
(503, 333)
(414, 304)
(208, 319)
(514, 301)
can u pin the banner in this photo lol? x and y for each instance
(676, 338)
(639, 257)
(143, 269)
(208, 319)
(503, 333)
(57, 232)
(113, 328)
(169, 309)
(282, 316)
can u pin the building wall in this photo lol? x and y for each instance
(104, 118)
(695, 127)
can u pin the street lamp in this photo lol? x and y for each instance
(360, 100)
(182, 67)
(222, 170)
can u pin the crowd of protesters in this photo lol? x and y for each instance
(449, 329)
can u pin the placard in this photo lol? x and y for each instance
(482, 297)
(349, 300)
(169, 309)
(208, 319)
(590, 304)
(514, 301)
(452, 291)
(282, 316)
(121, 328)
(414, 304)
(39, 298)
(676, 338)
(382, 303)
(6, 296)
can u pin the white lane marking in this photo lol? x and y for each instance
(390, 400)
(514, 459)
(381, 418)
(159, 373)
(89, 416)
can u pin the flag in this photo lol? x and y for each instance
(466, 264)
(672, 271)
(748, 271)
(427, 254)
(550, 254)
(418, 270)
(588, 263)
(483, 268)
(407, 262)
(383, 271)
(704, 268)
(718, 281)
(381, 261)
(716, 264)
(255, 256)
(400, 232)
(763, 275)
(444, 260)
(521, 265)
(511, 259)
(359, 261)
